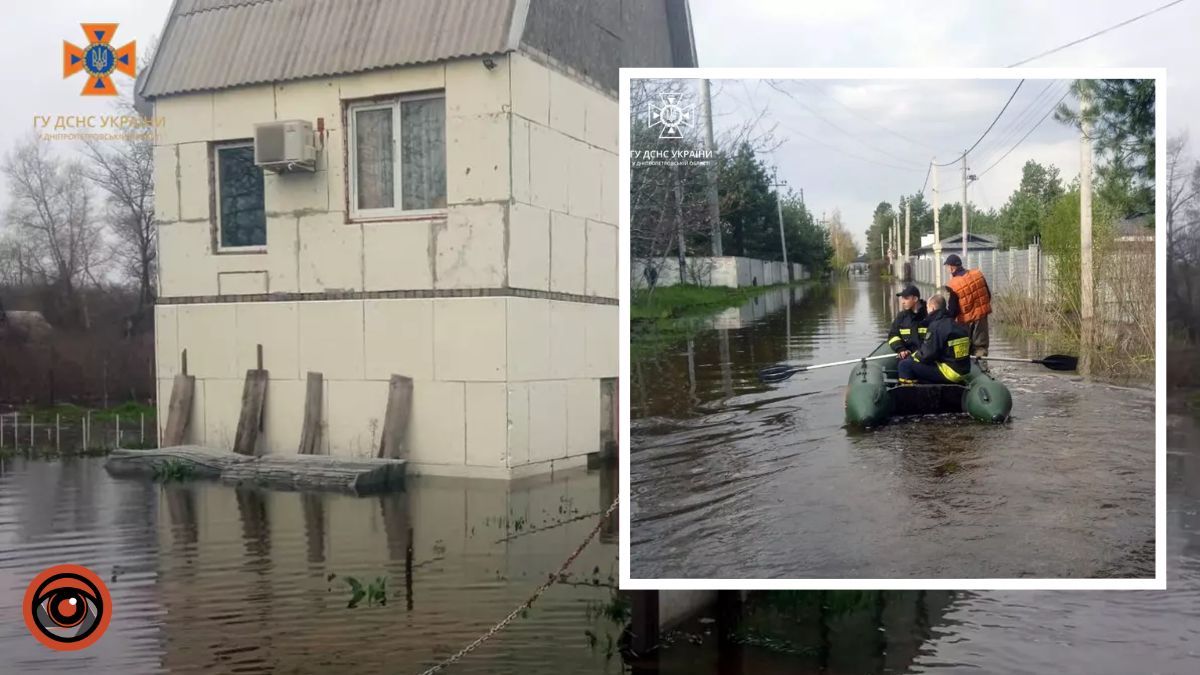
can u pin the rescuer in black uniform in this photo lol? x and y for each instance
(944, 356)
(908, 328)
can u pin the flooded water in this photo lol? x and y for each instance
(209, 578)
(732, 478)
(942, 632)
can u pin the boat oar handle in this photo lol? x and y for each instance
(781, 373)
(1053, 362)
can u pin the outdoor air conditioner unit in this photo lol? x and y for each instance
(286, 145)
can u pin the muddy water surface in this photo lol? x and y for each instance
(735, 479)
(208, 578)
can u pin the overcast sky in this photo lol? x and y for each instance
(851, 143)
(753, 33)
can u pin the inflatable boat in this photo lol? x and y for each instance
(874, 395)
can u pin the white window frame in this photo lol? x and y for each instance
(216, 159)
(397, 210)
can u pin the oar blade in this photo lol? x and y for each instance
(1060, 362)
(777, 373)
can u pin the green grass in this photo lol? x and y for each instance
(130, 410)
(173, 470)
(674, 302)
(670, 314)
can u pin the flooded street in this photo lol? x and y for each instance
(943, 632)
(732, 478)
(209, 578)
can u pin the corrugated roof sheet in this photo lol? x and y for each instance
(217, 44)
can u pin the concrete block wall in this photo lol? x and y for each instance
(728, 271)
(503, 384)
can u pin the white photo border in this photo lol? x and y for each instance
(1159, 582)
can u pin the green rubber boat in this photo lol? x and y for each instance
(873, 395)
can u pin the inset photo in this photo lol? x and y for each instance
(892, 329)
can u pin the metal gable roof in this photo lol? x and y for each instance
(217, 44)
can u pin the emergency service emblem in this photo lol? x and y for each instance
(99, 59)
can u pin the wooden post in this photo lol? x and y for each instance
(142, 426)
(310, 432)
(643, 629)
(254, 395)
(179, 411)
(118, 434)
(395, 420)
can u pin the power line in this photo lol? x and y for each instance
(1007, 131)
(826, 120)
(985, 131)
(1096, 34)
(848, 154)
(1027, 134)
(863, 117)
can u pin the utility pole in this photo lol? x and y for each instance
(779, 207)
(714, 202)
(898, 246)
(964, 208)
(1086, 297)
(907, 231)
(937, 232)
(679, 226)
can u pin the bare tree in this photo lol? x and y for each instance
(124, 172)
(50, 212)
(668, 199)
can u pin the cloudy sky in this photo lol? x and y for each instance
(851, 143)
(785, 33)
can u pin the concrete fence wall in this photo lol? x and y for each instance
(727, 271)
(1023, 270)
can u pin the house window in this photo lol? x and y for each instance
(398, 156)
(241, 219)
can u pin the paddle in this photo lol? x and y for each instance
(781, 373)
(1053, 362)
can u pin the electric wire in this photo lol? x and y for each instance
(985, 131)
(1096, 34)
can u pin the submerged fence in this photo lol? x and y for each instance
(1014, 270)
(76, 433)
(1124, 278)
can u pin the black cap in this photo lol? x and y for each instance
(909, 291)
(953, 259)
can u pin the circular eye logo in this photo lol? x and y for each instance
(67, 607)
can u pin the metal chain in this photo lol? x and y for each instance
(533, 598)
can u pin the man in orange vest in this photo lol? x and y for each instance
(970, 302)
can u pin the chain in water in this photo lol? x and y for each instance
(533, 598)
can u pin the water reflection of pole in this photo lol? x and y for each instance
(787, 345)
(314, 527)
(398, 529)
(726, 366)
(691, 356)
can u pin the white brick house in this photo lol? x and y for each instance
(460, 227)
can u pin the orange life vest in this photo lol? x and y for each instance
(972, 292)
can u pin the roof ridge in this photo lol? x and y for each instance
(228, 5)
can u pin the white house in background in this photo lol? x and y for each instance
(458, 226)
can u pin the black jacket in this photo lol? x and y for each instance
(945, 342)
(908, 329)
